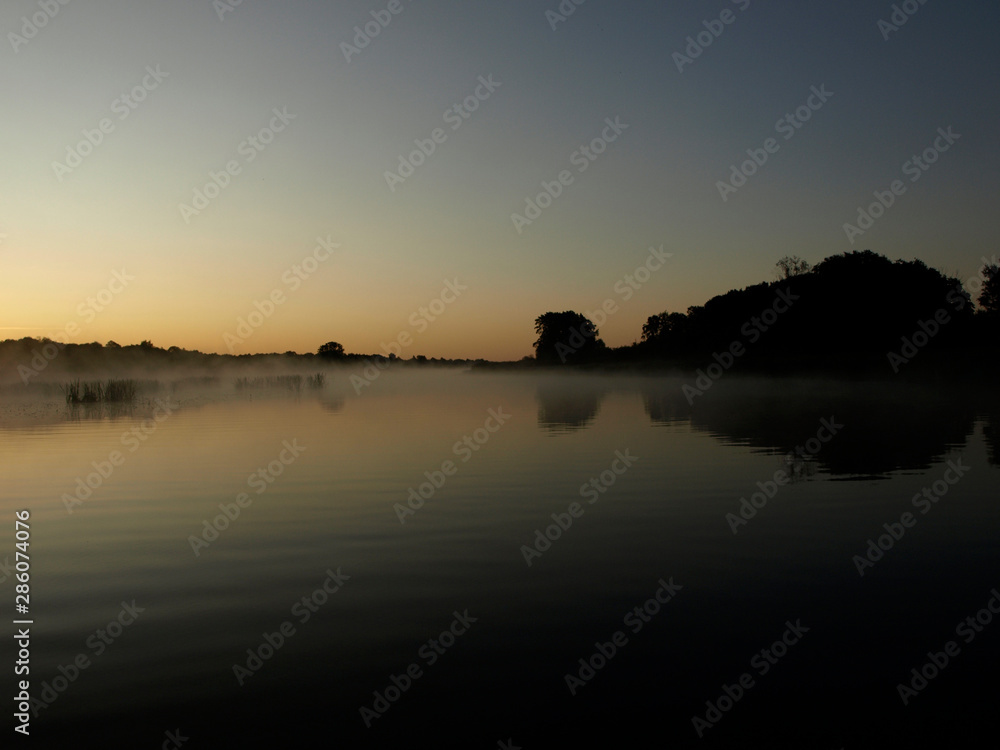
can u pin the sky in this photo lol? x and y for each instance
(174, 168)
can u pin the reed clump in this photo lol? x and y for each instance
(112, 391)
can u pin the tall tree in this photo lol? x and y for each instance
(989, 297)
(566, 338)
(663, 325)
(791, 265)
(331, 349)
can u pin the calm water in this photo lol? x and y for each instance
(328, 509)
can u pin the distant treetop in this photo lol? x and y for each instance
(792, 265)
(331, 349)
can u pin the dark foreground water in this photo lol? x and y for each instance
(328, 602)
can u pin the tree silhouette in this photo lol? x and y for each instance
(989, 297)
(660, 327)
(566, 337)
(331, 350)
(791, 265)
(848, 309)
(656, 326)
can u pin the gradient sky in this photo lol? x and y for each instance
(324, 174)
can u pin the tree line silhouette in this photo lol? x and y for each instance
(858, 310)
(854, 312)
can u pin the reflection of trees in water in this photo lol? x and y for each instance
(332, 403)
(663, 405)
(799, 468)
(99, 410)
(568, 405)
(887, 426)
(991, 434)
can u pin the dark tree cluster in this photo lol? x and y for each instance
(331, 350)
(849, 312)
(566, 338)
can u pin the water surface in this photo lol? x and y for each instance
(326, 477)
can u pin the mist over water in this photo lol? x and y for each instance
(551, 374)
(424, 498)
